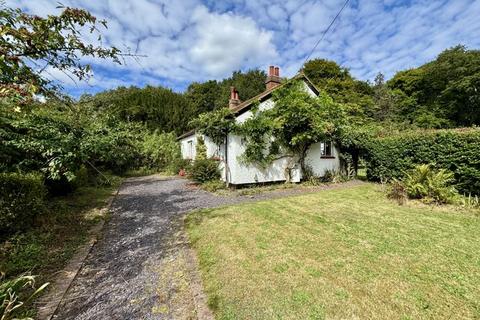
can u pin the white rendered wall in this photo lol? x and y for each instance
(320, 164)
(213, 151)
(240, 173)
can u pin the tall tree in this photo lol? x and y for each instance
(446, 90)
(337, 82)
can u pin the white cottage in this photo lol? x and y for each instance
(321, 156)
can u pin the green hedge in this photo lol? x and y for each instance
(22, 198)
(455, 150)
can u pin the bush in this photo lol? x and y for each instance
(213, 185)
(181, 164)
(205, 170)
(457, 151)
(22, 198)
(161, 150)
(113, 145)
(423, 182)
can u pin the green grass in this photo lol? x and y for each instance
(341, 254)
(46, 248)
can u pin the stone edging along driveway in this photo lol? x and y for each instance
(142, 266)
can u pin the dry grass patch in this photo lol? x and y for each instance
(341, 254)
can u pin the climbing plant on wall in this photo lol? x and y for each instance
(297, 121)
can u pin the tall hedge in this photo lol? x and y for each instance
(456, 150)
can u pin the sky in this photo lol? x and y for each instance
(197, 40)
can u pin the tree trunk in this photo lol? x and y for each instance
(301, 160)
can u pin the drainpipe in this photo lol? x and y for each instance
(226, 160)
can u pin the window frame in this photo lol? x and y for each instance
(323, 150)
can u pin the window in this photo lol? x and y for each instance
(326, 149)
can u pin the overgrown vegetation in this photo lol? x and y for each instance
(22, 200)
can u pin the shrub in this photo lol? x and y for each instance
(205, 170)
(160, 150)
(213, 185)
(455, 150)
(22, 198)
(180, 164)
(423, 182)
(112, 145)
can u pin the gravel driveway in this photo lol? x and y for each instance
(140, 268)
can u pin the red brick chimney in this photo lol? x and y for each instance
(273, 78)
(234, 99)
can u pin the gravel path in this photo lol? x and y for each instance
(139, 269)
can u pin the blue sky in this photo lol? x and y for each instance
(195, 40)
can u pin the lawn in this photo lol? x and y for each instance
(341, 254)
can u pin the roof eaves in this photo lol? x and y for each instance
(186, 134)
(260, 97)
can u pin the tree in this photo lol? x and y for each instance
(215, 124)
(356, 95)
(445, 90)
(201, 149)
(212, 95)
(383, 98)
(297, 121)
(157, 107)
(30, 45)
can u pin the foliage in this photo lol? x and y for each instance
(297, 121)
(431, 185)
(443, 92)
(213, 185)
(22, 199)
(31, 45)
(470, 201)
(161, 150)
(15, 294)
(454, 150)
(215, 124)
(337, 82)
(201, 149)
(40, 140)
(180, 164)
(212, 95)
(154, 107)
(205, 170)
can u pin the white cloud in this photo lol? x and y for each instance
(191, 40)
(226, 42)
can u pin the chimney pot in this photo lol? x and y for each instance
(234, 99)
(273, 78)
